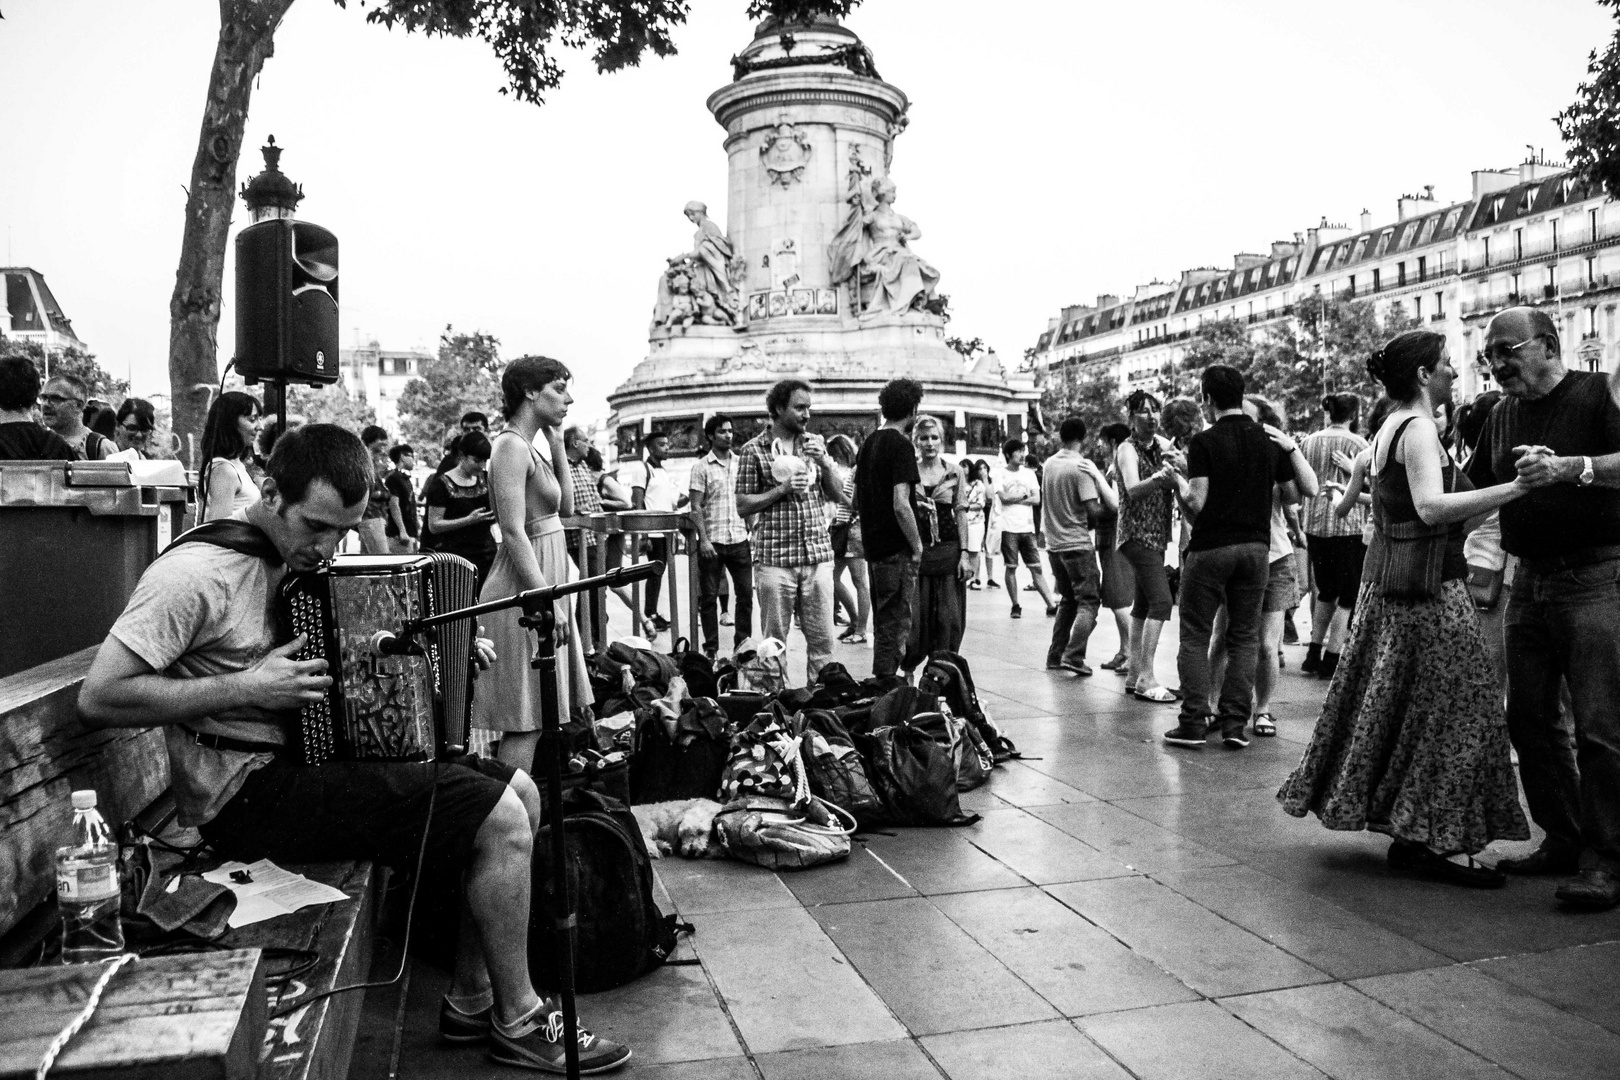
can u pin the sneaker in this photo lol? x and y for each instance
(1080, 668)
(1051, 611)
(456, 1026)
(993, 583)
(1017, 612)
(975, 586)
(725, 618)
(1030, 588)
(1313, 658)
(542, 1049)
(1290, 631)
(1186, 735)
(1234, 739)
(1330, 664)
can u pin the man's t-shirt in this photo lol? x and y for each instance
(1241, 463)
(203, 610)
(377, 496)
(399, 486)
(886, 459)
(654, 479)
(1017, 517)
(1579, 418)
(24, 440)
(1066, 488)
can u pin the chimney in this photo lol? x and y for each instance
(1488, 181)
(1281, 249)
(1327, 234)
(1366, 219)
(1106, 300)
(1411, 206)
(1245, 259)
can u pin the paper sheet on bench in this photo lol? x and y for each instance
(272, 892)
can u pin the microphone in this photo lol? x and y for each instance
(388, 643)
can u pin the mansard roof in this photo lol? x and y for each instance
(1431, 228)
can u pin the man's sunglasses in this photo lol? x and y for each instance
(1500, 352)
(58, 399)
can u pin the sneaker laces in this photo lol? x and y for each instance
(555, 1031)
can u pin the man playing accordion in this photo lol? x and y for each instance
(195, 652)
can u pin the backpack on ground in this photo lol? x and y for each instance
(968, 751)
(837, 773)
(912, 770)
(621, 935)
(685, 765)
(778, 835)
(947, 674)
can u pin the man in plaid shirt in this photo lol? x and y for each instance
(777, 475)
(722, 536)
(582, 546)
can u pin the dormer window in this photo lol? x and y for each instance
(1496, 207)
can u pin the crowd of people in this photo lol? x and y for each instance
(58, 419)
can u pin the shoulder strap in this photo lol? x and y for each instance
(1395, 440)
(238, 536)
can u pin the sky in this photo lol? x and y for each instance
(1058, 149)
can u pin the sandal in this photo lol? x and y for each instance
(853, 639)
(975, 586)
(1158, 696)
(1117, 663)
(1265, 726)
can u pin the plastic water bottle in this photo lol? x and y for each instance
(87, 887)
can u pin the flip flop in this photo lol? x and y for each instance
(1116, 664)
(1158, 696)
(1265, 726)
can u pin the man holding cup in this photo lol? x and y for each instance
(783, 478)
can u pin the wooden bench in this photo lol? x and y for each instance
(46, 753)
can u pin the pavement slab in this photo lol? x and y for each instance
(1049, 1051)
(1196, 1041)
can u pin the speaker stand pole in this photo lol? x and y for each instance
(541, 617)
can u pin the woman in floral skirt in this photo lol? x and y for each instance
(1412, 741)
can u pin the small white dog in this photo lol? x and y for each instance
(680, 826)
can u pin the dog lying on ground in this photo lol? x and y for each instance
(682, 826)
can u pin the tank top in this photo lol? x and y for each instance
(1145, 518)
(1392, 502)
(542, 492)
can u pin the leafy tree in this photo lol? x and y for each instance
(461, 379)
(329, 405)
(800, 10)
(1217, 341)
(70, 361)
(967, 349)
(1089, 391)
(1591, 125)
(523, 34)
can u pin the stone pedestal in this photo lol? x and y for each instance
(808, 127)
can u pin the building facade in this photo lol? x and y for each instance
(378, 376)
(1531, 235)
(31, 313)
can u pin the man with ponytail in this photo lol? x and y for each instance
(1558, 432)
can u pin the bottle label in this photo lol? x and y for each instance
(79, 880)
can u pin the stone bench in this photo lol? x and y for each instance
(46, 753)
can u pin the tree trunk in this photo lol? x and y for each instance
(246, 30)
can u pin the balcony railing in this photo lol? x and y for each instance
(1541, 246)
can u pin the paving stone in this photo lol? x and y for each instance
(1350, 1036)
(1200, 948)
(671, 1014)
(1508, 1026)
(702, 886)
(863, 1061)
(736, 1068)
(787, 985)
(1196, 1041)
(1584, 980)
(1076, 966)
(936, 861)
(857, 878)
(924, 967)
(1020, 785)
(1037, 851)
(1050, 1051)
(1323, 935)
(1139, 844)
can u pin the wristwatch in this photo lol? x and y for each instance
(1587, 475)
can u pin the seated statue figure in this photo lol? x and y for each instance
(873, 248)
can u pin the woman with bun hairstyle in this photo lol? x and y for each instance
(529, 502)
(458, 505)
(1334, 542)
(1412, 741)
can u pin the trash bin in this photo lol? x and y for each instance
(74, 538)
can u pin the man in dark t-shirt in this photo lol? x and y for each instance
(1560, 431)
(885, 476)
(21, 437)
(403, 528)
(1231, 468)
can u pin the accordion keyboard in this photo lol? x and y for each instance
(316, 718)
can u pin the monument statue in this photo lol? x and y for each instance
(873, 253)
(697, 286)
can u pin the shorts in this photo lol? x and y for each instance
(360, 810)
(1015, 544)
(1152, 599)
(975, 536)
(1336, 566)
(1281, 591)
(1118, 580)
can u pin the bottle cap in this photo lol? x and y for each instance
(84, 800)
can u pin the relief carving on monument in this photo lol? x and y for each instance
(872, 250)
(699, 287)
(785, 152)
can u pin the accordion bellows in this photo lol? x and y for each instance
(382, 708)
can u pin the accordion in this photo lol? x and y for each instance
(382, 708)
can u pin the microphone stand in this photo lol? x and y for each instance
(540, 616)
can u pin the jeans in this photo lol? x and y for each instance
(805, 592)
(1566, 626)
(658, 549)
(1079, 586)
(1235, 575)
(373, 536)
(737, 560)
(893, 582)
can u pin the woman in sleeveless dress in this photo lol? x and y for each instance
(529, 506)
(941, 615)
(225, 485)
(1412, 741)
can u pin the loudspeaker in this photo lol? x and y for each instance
(287, 302)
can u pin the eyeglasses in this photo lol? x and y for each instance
(1500, 352)
(135, 432)
(58, 399)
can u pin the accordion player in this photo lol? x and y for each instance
(412, 707)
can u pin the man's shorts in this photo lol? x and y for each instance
(1281, 591)
(360, 810)
(1014, 544)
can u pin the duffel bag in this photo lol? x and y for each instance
(775, 834)
(685, 766)
(912, 770)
